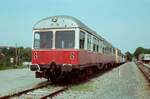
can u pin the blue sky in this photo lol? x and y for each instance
(124, 23)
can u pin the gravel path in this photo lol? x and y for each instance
(15, 80)
(128, 83)
(124, 83)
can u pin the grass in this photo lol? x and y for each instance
(21, 67)
(5, 68)
(86, 86)
(83, 87)
(10, 67)
(50, 86)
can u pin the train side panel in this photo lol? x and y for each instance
(74, 57)
(88, 57)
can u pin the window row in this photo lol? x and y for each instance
(92, 43)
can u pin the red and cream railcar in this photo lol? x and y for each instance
(63, 43)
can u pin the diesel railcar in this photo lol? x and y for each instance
(62, 44)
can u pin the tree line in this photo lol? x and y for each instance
(138, 51)
(21, 54)
(17, 55)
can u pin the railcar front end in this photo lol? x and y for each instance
(54, 52)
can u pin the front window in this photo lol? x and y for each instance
(43, 39)
(65, 39)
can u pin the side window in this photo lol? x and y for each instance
(89, 42)
(106, 49)
(101, 44)
(110, 50)
(82, 40)
(119, 53)
(114, 51)
(97, 45)
(94, 44)
(103, 47)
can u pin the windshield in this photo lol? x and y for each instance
(43, 39)
(65, 39)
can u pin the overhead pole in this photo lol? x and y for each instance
(16, 55)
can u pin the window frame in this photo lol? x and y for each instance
(84, 40)
(65, 30)
(39, 32)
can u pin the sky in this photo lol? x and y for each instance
(123, 23)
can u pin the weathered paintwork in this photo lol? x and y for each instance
(66, 56)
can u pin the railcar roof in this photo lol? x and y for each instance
(59, 22)
(62, 21)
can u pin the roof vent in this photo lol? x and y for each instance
(54, 19)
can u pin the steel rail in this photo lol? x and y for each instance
(51, 95)
(142, 69)
(23, 92)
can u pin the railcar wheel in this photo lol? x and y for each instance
(100, 66)
(53, 79)
(54, 72)
(68, 77)
(105, 66)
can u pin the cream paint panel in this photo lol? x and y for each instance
(85, 44)
(54, 30)
(77, 38)
(91, 42)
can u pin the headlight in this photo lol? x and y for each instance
(72, 56)
(35, 55)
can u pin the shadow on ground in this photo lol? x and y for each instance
(63, 82)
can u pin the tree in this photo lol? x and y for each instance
(27, 52)
(129, 56)
(141, 50)
(147, 51)
(22, 54)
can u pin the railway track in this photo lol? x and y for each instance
(41, 92)
(51, 95)
(144, 68)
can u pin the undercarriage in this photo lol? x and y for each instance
(55, 72)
